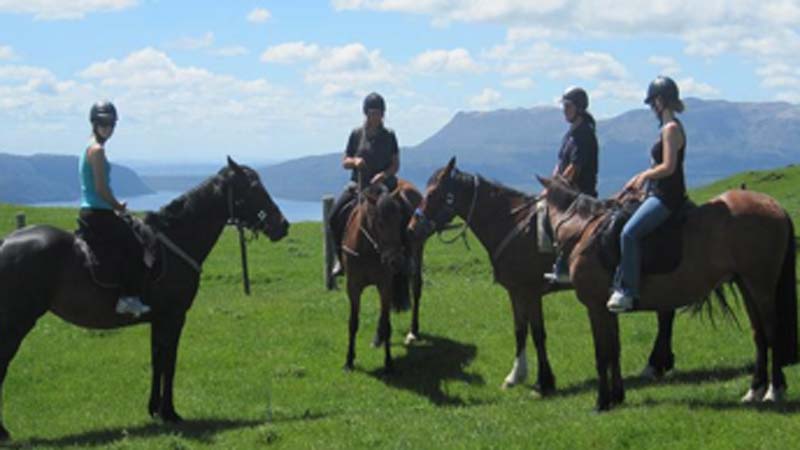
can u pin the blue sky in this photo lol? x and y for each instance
(270, 80)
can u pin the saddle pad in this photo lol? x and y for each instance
(662, 249)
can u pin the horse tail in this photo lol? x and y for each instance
(401, 297)
(786, 305)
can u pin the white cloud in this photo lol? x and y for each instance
(434, 61)
(61, 10)
(667, 65)
(259, 15)
(234, 50)
(6, 52)
(352, 65)
(519, 83)
(487, 99)
(290, 52)
(194, 43)
(557, 63)
(691, 87)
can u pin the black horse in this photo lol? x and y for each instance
(43, 268)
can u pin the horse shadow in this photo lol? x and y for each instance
(428, 365)
(199, 430)
(694, 376)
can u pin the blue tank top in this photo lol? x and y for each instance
(89, 196)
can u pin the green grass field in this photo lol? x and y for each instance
(266, 370)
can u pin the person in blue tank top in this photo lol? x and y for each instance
(99, 209)
(665, 187)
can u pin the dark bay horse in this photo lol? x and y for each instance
(498, 215)
(376, 251)
(43, 268)
(743, 237)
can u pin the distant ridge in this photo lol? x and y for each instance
(511, 145)
(48, 178)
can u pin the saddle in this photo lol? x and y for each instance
(662, 249)
(103, 257)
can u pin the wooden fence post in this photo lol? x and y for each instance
(20, 220)
(327, 266)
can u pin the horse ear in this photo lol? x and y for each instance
(235, 167)
(546, 182)
(448, 171)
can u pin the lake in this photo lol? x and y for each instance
(293, 210)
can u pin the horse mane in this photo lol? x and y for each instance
(182, 208)
(496, 188)
(563, 197)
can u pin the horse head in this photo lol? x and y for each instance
(249, 203)
(568, 209)
(438, 207)
(383, 224)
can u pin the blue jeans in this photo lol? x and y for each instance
(647, 218)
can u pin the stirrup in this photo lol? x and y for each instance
(131, 305)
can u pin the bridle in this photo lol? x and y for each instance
(240, 223)
(448, 212)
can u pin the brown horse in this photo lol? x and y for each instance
(376, 251)
(43, 268)
(498, 215)
(742, 237)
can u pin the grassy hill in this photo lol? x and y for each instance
(265, 371)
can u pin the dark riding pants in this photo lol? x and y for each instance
(116, 248)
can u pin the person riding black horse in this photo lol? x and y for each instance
(373, 157)
(577, 159)
(112, 240)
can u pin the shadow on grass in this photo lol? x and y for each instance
(696, 376)
(201, 430)
(785, 407)
(428, 365)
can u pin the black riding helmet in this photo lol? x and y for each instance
(663, 87)
(374, 101)
(577, 96)
(103, 113)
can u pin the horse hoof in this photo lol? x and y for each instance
(543, 391)
(4, 436)
(348, 367)
(377, 343)
(651, 373)
(774, 395)
(507, 384)
(411, 338)
(754, 395)
(171, 417)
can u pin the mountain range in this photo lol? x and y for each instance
(511, 145)
(46, 178)
(508, 145)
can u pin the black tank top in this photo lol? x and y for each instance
(672, 189)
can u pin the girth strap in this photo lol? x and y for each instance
(178, 251)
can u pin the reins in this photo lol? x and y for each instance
(463, 231)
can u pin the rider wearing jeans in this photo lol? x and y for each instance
(99, 209)
(577, 159)
(666, 191)
(373, 156)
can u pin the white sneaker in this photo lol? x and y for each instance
(619, 302)
(557, 277)
(132, 305)
(337, 269)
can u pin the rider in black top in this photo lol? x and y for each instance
(373, 156)
(577, 159)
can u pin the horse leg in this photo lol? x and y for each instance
(661, 360)
(354, 294)
(617, 389)
(385, 324)
(416, 290)
(545, 381)
(10, 339)
(602, 322)
(758, 385)
(166, 336)
(519, 371)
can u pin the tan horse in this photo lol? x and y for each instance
(742, 237)
(498, 216)
(376, 251)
